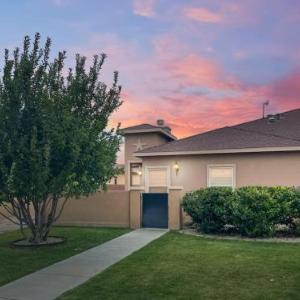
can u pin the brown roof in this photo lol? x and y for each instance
(283, 131)
(140, 127)
(143, 128)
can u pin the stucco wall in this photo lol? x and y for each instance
(251, 169)
(149, 139)
(2, 211)
(109, 208)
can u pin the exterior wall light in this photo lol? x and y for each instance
(139, 172)
(176, 167)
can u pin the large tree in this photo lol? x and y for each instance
(54, 140)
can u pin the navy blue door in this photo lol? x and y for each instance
(155, 210)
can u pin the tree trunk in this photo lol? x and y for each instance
(39, 218)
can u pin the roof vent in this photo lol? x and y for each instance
(274, 118)
(160, 123)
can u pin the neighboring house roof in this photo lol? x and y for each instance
(148, 128)
(278, 133)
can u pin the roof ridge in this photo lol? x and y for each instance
(259, 119)
(265, 133)
(139, 125)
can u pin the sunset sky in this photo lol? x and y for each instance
(197, 64)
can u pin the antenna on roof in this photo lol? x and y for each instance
(264, 105)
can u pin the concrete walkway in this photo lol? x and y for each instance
(49, 283)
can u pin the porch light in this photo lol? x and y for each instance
(139, 172)
(176, 167)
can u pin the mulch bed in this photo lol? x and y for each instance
(51, 241)
(281, 239)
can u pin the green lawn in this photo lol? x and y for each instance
(187, 267)
(17, 262)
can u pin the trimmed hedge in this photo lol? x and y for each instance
(210, 209)
(252, 211)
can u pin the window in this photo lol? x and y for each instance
(221, 176)
(135, 174)
(158, 177)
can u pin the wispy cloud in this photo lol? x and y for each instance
(144, 8)
(201, 14)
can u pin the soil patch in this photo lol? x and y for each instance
(51, 241)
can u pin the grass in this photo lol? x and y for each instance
(178, 266)
(17, 262)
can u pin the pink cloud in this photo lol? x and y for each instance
(226, 12)
(284, 93)
(201, 14)
(195, 70)
(157, 85)
(144, 8)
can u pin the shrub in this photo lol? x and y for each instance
(288, 205)
(255, 211)
(210, 208)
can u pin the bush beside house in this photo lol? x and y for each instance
(251, 211)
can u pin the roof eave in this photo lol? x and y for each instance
(222, 151)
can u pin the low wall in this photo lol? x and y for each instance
(109, 208)
(2, 210)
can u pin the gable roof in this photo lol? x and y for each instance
(282, 134)
(148, 128)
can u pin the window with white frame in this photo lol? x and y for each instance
(136, 174)
(158, 177)
(221, 175)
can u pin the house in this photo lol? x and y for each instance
(160, 166)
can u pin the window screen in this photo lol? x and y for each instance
(157, 177)
(221, 176)
(136, 174)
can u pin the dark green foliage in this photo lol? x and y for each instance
(253, 211)
(211, 208)
(288, 204)
(53, 130)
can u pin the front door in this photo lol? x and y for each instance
(155, 210)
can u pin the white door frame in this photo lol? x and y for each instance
(168, 170)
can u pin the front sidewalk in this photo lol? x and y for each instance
(50, 282)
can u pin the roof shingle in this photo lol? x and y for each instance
(261, 133)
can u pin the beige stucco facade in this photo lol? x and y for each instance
(145, 140)
(270, 169)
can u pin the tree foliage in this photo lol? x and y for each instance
(53, 131)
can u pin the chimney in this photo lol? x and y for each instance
(161, 123)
